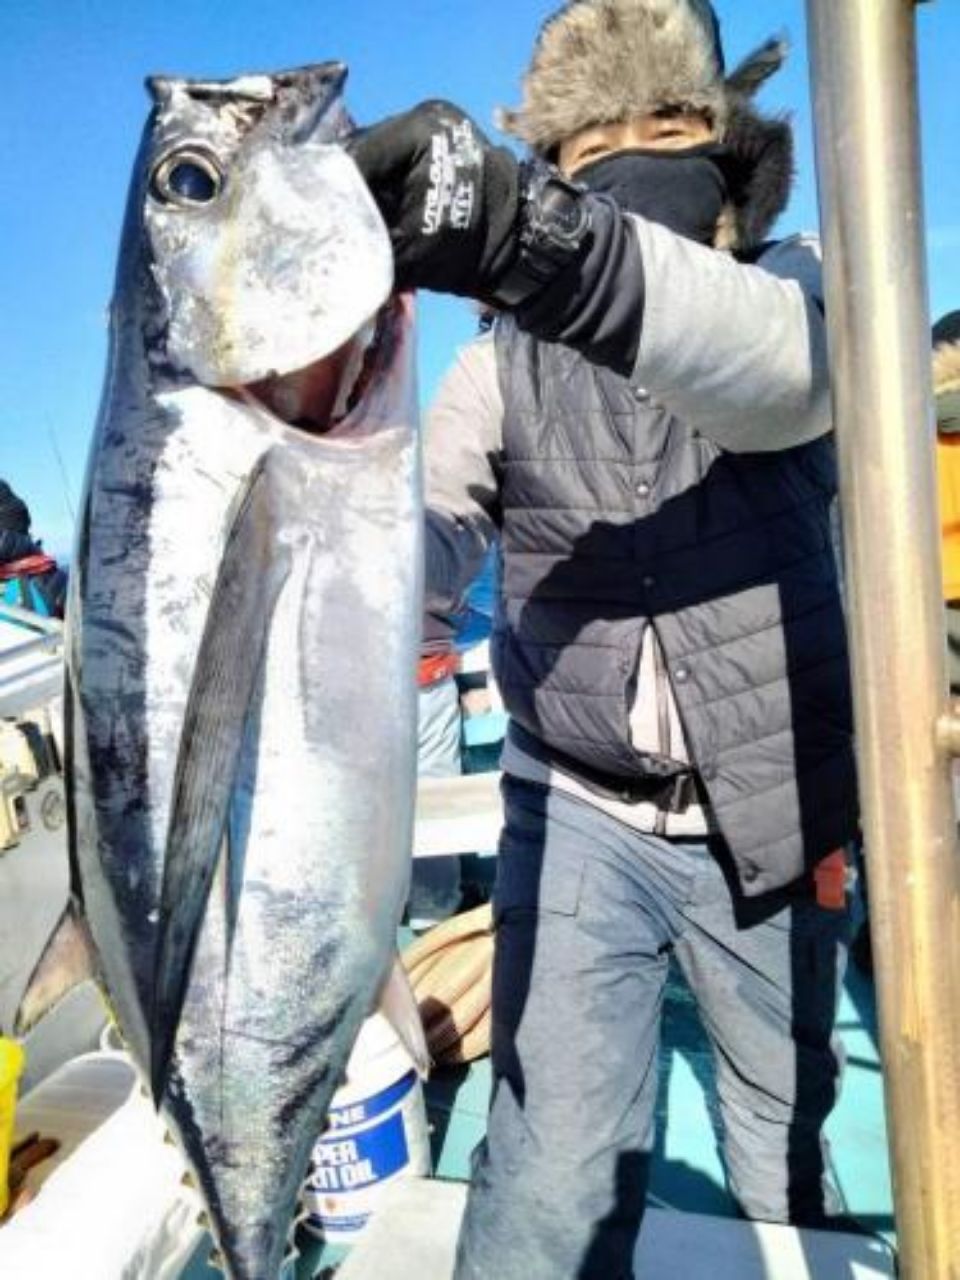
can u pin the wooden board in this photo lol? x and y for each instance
(457, 815)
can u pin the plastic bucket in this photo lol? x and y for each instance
(11, 1068)
(376, 1133)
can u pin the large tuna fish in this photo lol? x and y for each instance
(242, 636)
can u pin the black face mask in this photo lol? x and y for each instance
(683, 190)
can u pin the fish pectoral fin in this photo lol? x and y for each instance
(398, 1005)
(226, 677)
(68, 959)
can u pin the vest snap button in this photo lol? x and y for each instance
(682, 675)
(642, 394)
(643, 489)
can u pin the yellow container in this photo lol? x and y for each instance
(11, 1068)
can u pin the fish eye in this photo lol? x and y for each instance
(187, 178)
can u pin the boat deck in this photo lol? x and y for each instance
(687, 1174)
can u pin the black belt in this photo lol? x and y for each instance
(669, 795)
(673, 793)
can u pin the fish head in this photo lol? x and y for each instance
(264, 243)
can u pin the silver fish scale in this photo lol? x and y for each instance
(284, 994)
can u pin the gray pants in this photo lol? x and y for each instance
(588, 912)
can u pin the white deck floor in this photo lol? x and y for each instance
(413, 1237)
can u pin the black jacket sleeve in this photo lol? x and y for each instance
(596, 304)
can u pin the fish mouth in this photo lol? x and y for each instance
(327, 397)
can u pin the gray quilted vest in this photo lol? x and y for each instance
(617, 517)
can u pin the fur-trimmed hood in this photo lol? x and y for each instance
(603, 61)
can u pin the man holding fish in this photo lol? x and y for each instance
(647, 430)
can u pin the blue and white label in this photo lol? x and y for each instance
(368, 1109)
(346, 1164)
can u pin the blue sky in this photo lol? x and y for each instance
(73, 107)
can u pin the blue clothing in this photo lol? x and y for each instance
(43, 593)
(482, 596)
(475, 623)
(587, 913)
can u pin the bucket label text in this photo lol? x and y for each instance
(349, 1163)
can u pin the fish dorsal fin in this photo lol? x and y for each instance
(68, 959)
(251, 574)
(398, 1005)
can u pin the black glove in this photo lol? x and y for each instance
(449, 198)
(460, 214)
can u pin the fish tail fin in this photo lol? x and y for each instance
(250, 577)
(398, 1005)
(68, 959)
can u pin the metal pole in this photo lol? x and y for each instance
(865, 93)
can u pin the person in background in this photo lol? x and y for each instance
(28, 576)
(647, 431)
(435, 882)
(946, 386)
(15, 540)
(946, 390)
(436, 890)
